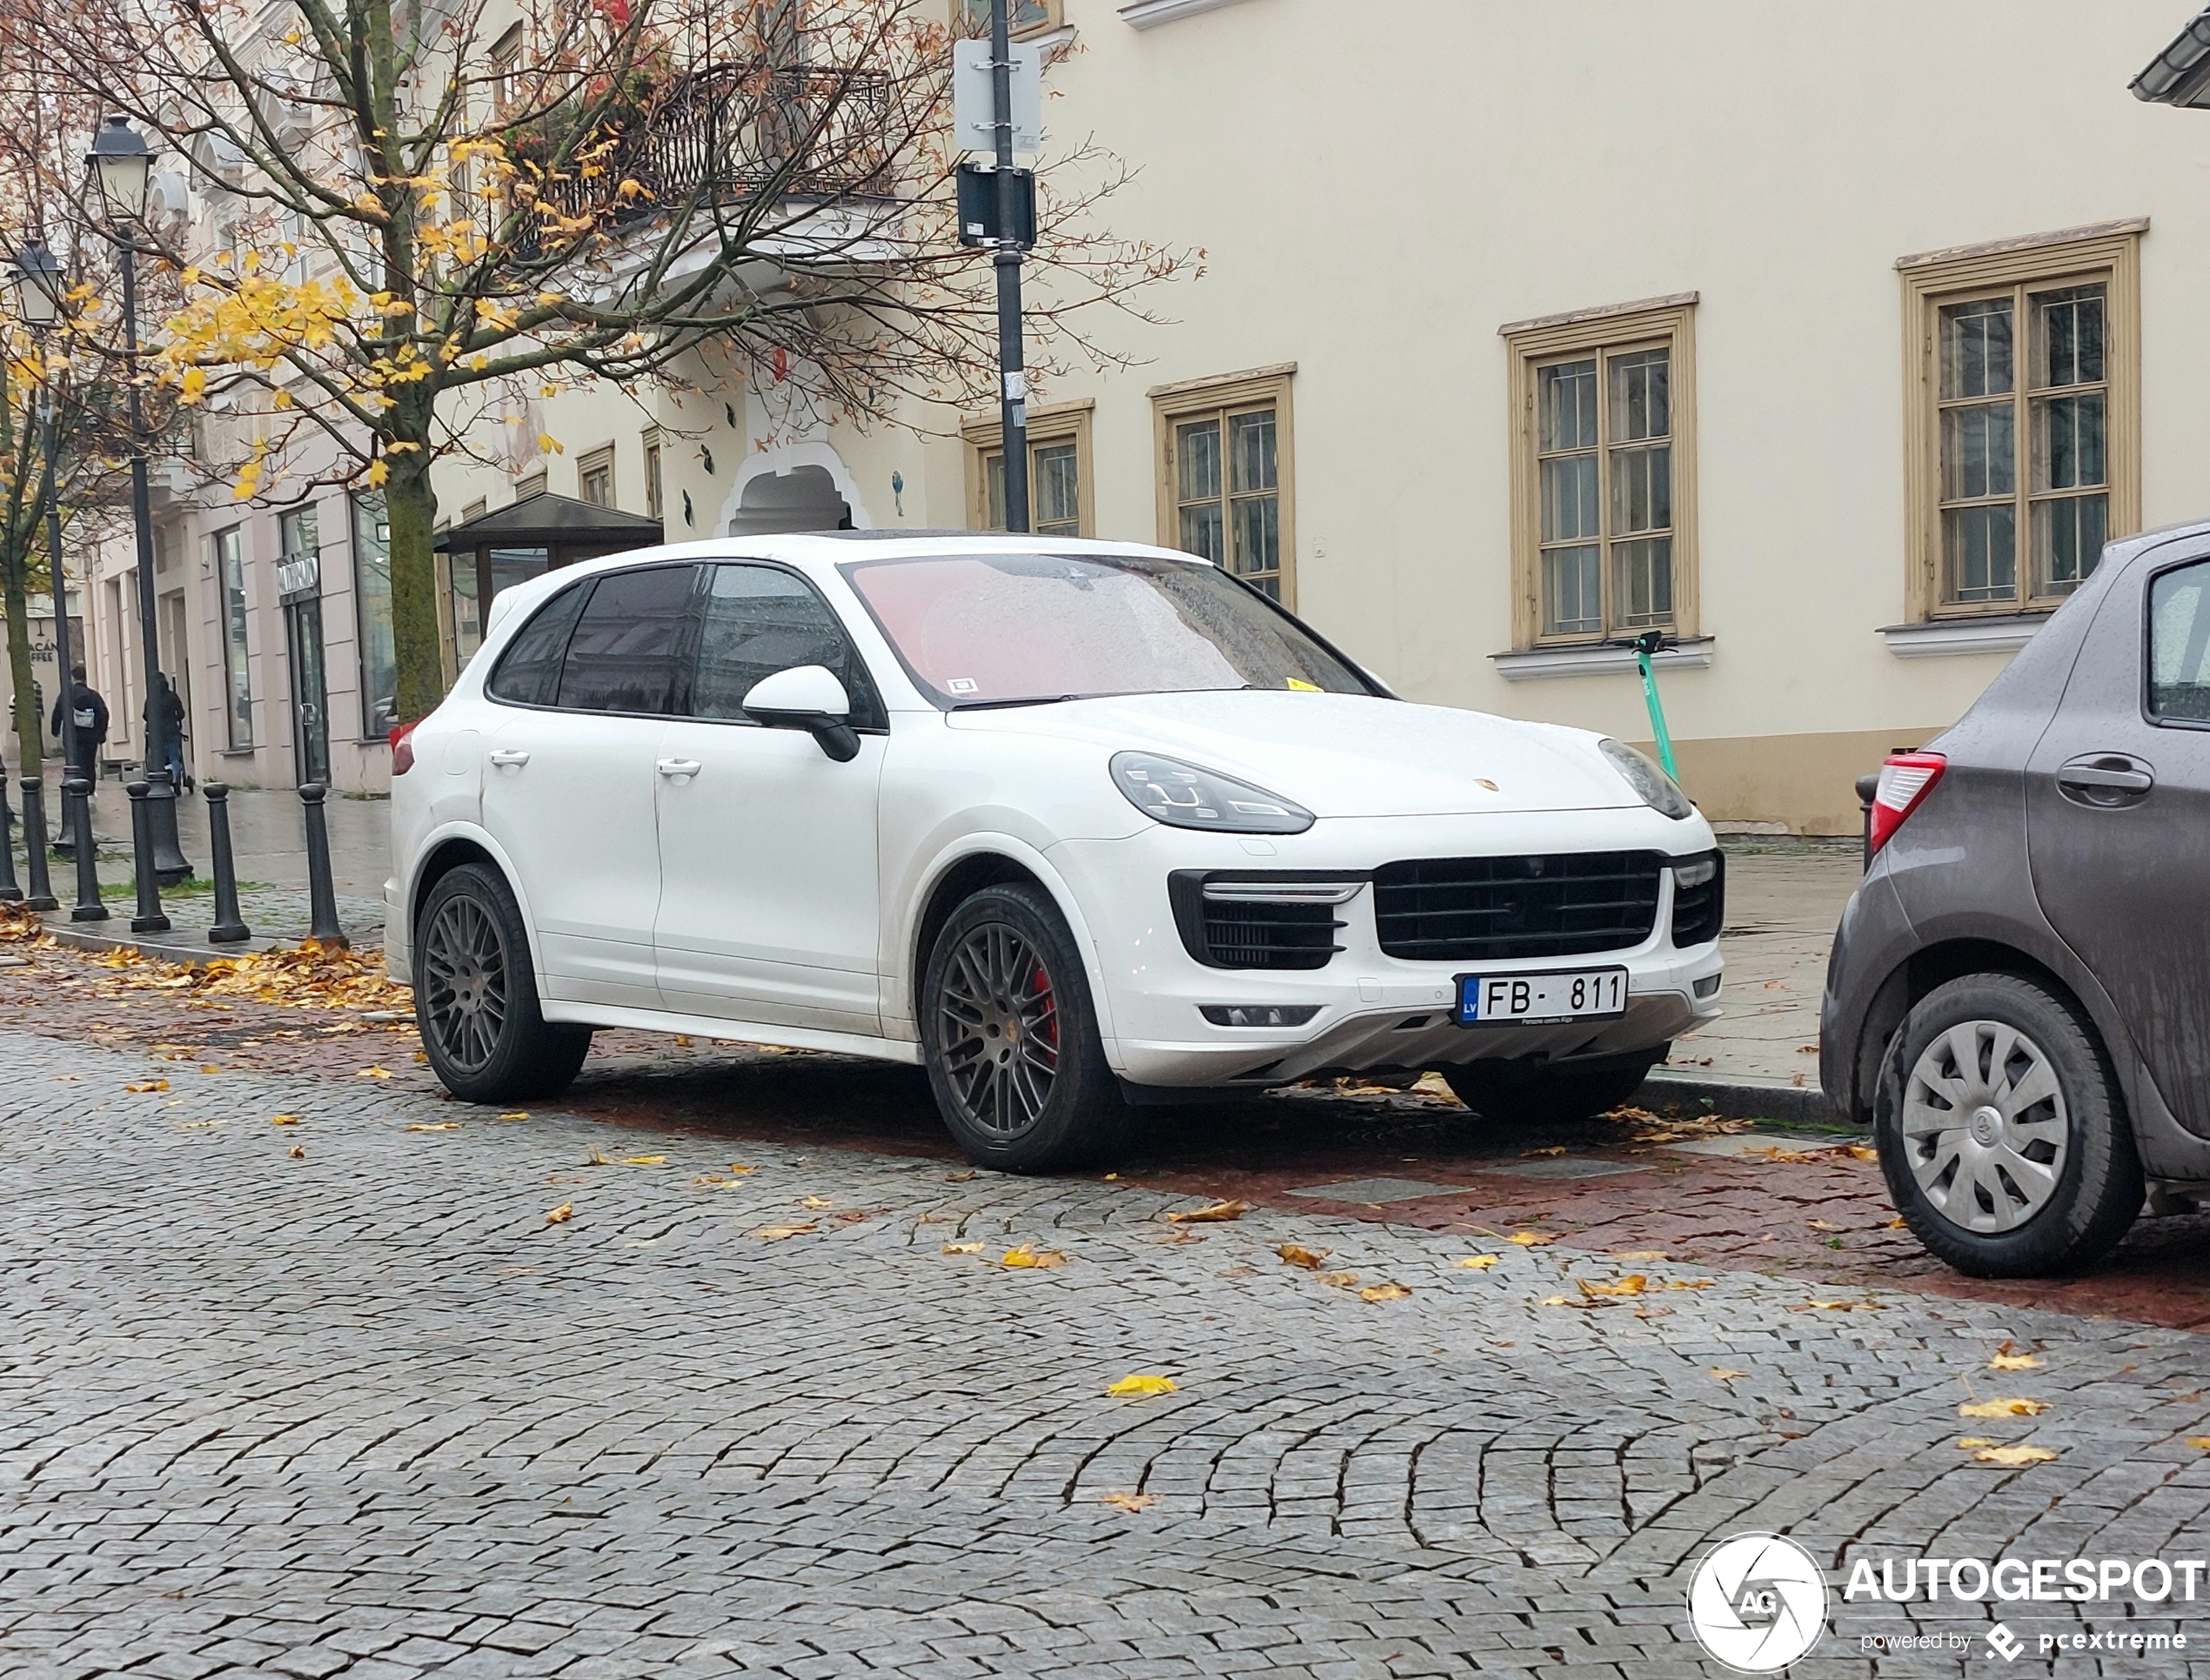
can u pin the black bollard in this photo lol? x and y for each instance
(76, 821)
(149, 919)
(1866, 787)
(34, 833)
(229, 926)
(322, 896)
(31, 839)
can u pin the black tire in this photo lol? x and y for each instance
(475, 997)
(1535, 1094)
(1009, 1038)
(2079, 1136)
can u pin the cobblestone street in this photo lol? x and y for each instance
(370, 1410)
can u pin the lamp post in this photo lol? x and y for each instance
(120, 165)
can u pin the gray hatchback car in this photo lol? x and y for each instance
(2019, 998)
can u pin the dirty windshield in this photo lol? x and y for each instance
(1021, 629)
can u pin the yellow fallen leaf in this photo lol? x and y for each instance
(372, 1073)
(1633, 1283)
(283, 1119)
(778, 1232)
(2200, 1443)
(1639, 1254)
(682, 1041)
(1720, 1374)
(1975, 1441)
(1554, 1150)
(1691, 1283)
(1860, 1152)
(598, 1160)
(1143, 1382)
(1217, 1210)
(1822, 1225)
(819, 1201)
(1384, 1292)
(2004, 1359)
(1041, 1259)
(962, 1248)
(1529, 1239)
(1340, 1280)
(739, 1167)
(561, 1215)
(148, 1085)
(518, 1115)
(644, 1160)
(1476, 1262)
(433, 1126)
(2005, 1408)
(2013, 1456)
(1130, 1502)
(297, 1153)
(1899, 1223)
(209, 1068)
(1111, 1177)
(1311, 1259)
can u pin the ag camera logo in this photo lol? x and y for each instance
(1758, 1602)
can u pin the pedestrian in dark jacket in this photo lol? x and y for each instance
(90, 723)
(165, 730)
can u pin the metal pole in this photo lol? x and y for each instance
(76, 817)
(229, 926)
(33, 843)
(63, 657)
(164, 861)
(34, 827)
(321, 896)
(1012, 378)
(149, 919)
(1647, 644)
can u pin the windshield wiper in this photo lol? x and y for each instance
(1032, 700)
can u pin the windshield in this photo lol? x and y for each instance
(1017, 629)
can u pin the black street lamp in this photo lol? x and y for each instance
(38, 285)
(120, 165)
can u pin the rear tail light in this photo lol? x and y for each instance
(402, 740)
(1906, 779)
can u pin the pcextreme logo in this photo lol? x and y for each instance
(1758, 1602)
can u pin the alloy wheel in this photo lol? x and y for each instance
(464, 982)
(1985, 1126)
(998, 1023)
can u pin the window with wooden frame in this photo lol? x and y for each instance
(1603, 478)
(1059, 482)
(594, 477)
(1023, 17)
(2022, 386)
(506, 69)
(653, 503)
(1225, 478)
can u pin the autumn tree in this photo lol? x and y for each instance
(414, 212)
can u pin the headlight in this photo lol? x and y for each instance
(1657, 789)
(1185, 796)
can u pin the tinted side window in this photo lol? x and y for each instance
(627, 652)
(758, 621)
(2179, 644)
(529, 671)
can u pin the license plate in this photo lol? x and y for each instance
(1537, 1000)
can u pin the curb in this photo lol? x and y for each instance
(177, 945)
(1737, 1098)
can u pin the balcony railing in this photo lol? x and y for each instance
(735, 131)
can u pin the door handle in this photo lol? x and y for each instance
(679, 769)
(2104, 780)
(511, 758)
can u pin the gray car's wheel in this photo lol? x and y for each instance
(475, 998)
(1010, 1038)
(1537, 1094)
(2002, 1134)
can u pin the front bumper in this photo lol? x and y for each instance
(1374, 1011)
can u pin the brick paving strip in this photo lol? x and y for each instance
(368, 1412)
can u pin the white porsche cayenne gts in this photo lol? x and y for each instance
(1079, 827)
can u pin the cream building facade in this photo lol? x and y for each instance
(1830, 344)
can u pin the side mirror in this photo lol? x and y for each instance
(807, 697)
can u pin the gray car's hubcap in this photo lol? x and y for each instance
(1985, 1126)
(463, 984)
(998, 1022)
